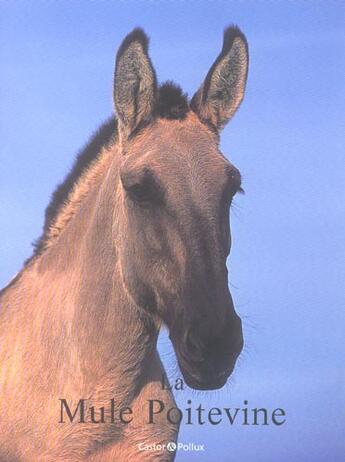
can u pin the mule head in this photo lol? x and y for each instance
(176, 189)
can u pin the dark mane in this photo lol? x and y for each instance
(172, 103)
(105, 134)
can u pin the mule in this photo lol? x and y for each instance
(136, 237)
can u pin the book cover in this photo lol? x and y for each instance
(172, 222)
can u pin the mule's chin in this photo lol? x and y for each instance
(200, 383)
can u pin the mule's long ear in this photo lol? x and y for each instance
(135, 83)
(222, 91)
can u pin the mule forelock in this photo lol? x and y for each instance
(172, 102)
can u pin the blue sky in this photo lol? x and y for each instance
(287, 263)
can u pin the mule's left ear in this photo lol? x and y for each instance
(135, 84)
(222, 91)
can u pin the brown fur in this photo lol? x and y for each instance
(142, 239)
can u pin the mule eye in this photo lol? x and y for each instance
(142, 188)
(142, 193)
(234, 181)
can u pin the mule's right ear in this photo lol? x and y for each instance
(135, 85)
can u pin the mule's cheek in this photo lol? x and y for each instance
(151, 264)
(137, 285)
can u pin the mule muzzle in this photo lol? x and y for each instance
(206, 358)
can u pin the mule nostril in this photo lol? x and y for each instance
(237, 342)
(193, 347)
(222, 374)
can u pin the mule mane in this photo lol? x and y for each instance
(172, 103)
(103, 137)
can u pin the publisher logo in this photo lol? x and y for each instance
(171, 447)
